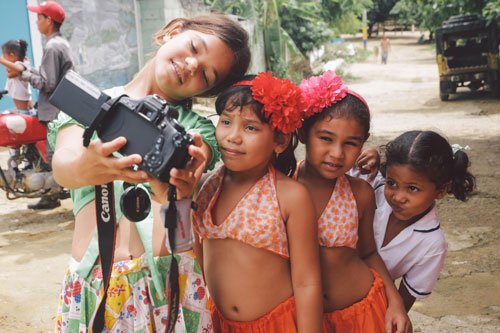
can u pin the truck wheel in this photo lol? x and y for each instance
(444, 90)
(495, 89)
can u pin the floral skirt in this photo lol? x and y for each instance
(133, 303)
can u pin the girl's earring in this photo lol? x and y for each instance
(276, 154)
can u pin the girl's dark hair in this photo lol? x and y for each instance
(349, 107)
(16, 46)
(229, 31)
(429, 153)
(237, 97)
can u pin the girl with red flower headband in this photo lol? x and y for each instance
(258, 239)
(354, 298)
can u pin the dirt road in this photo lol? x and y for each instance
(403, 95)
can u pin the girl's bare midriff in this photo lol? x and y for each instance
(346, 278)
(255, 282)
(128, 243)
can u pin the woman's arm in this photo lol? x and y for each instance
(397, 319)
(75, 165)
(302, 233)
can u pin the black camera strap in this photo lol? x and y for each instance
(97, 121)
(106, 234)
(172, 286)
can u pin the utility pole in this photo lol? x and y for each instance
(364, 29)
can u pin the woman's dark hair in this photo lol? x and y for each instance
(16, 46)
(349, 107)
(429, 153)
(237, 97)
(229, 31)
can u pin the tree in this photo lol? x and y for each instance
(407, 13)
(304, 24)
(430, 14)
(281, 53)
(339, 13)
(379, 12)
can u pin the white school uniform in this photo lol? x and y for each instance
(376, 182)
(416, 254)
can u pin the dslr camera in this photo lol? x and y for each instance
(149, 124)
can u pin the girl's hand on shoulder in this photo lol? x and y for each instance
(185, 180)
(397, 320)
(98, 166)
(368, 162)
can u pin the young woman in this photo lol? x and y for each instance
(197, 57)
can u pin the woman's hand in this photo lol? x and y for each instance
(98, 166)
(185, 180)
(368, 162)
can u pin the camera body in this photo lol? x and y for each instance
(149, 124)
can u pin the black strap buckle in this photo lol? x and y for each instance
(96, 123)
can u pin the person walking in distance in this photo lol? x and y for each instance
(385, 47)
(56, 61)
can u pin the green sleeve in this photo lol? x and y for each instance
(196, 123)
(63, 120)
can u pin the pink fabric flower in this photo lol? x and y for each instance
(322, 91)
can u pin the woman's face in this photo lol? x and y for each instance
(190, 63)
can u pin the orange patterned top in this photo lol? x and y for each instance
(256, 220)
(338, 223)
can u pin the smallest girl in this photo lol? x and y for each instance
(420, 168)
(257, 227)
(13, 51)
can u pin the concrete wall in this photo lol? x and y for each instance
(103, 39)
(112, 39)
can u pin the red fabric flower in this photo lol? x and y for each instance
(322, 91)
(282, 102)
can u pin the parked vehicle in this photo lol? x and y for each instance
(27, 173)
(467, 55)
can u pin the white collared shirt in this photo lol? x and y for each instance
(416, 254)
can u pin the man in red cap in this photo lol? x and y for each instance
(56, 61)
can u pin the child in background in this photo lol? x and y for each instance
(336, 127)
(420, 168)
(199, 56)
(12, 51)
(256, 225)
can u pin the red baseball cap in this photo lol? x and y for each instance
(49, 8)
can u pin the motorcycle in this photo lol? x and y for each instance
(28, 174)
